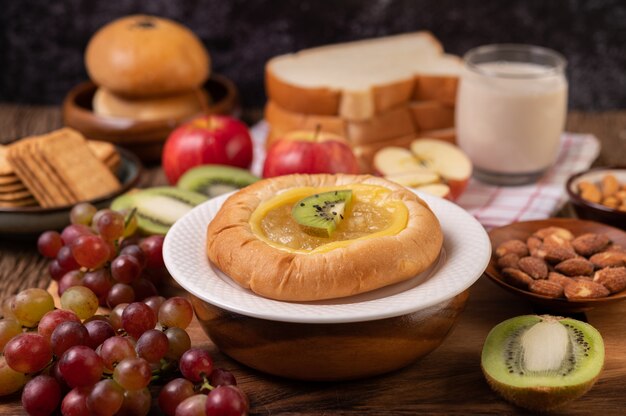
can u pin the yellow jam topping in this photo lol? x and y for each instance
(372, 214)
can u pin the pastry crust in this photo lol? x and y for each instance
(361, 266)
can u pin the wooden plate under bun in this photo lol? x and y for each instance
(522, 230)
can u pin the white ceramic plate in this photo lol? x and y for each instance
(464, 257)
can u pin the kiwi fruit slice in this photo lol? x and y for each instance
(542, 362)
(320, 214)
(214, 180)
(157, 208)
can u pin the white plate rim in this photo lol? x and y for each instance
(457, 224)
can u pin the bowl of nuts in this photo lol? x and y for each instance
(599, 194)
(562, 265)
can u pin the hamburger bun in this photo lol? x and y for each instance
(146, 56)
(238, 247)
(173, 107)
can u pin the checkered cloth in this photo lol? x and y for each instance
(494, 206)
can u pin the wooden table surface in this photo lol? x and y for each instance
(448, 381)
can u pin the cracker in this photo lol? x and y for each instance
(12, 187)
(83, 174)
(113, 162)
(12, 196)
(9, 180)
(5, 167)
(26, 202)
(60, 192)
(22, 170)
(102, 150)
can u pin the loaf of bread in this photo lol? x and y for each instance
(358, 80)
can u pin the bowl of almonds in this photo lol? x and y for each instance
(560, 264)
(599, 194)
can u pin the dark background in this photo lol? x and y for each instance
(42, 41)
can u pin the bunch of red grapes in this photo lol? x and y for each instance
(83, 363)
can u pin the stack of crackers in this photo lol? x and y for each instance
(56, 169)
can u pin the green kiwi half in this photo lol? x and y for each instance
(542, 362)
(320, 214)
(158, 208)
(214, 180)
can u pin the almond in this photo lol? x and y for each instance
(560, 232)
(508, 260)
(589, 191)
(583, 289)
(512, 246)
(608, 259)
(590, 243)
(534, 246)
(616, 247)
(517, 278)
(546, 288)
(613, 278)
(609, 185)
(558, 254)
(559, 278)
(555, 240)
(534, 267)
(582, 278)
(575, 267)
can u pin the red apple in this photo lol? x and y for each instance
(304, 151)
(210, 139)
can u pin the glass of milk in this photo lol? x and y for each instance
(511, 108)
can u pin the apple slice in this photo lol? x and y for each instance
(394, 160)
(438, 189)
(414, 179)
(447, 160)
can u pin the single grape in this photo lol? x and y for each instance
(55, 270)
(173, 393)
(110, 224)
(221, 377)
(82, 213)
(56, 373)
(113, 249)
(41, 396)
(73, 231)
(227, 401)
(152, 345)
(80, 300)
(125, 268)
(135, 251)
(154, 302)
(75, 402)
(136, 403)
(96, 218)
(7, 307)
(176, 311)
(69, 279)
(52, 319)
(115, 318)
(49, 244)
(105, 398)
(120, 293)
(153, 249)
(90, 251)
(99, 281)
(116, 349)
(196, 364)
(66, 335)
(132, 373)
(99, 331)
(179, 342)
(10, 328)
(81, 366)
(10, 380)
(137, 318)
(143, 288)
(30, 305)
(66, 259)
(192, 406)
(28, 353)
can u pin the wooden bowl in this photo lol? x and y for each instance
(144, 138)
(329, 352)
(590, 210)
(522, 230)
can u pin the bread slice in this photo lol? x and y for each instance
(432, 115)
(358, 80)
(390, 124)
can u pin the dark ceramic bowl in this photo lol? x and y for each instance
(523, 230)
(590, 210)
(30, 221)
(144, 138)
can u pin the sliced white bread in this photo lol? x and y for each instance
(431, 115)
(358, 80)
